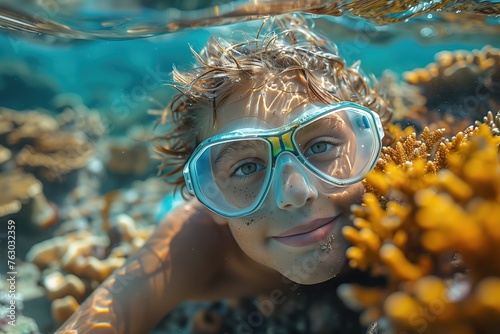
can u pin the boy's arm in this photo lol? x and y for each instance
(178, 262)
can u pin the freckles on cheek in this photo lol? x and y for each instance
(246, 229)
(249, 222)
(253, 222)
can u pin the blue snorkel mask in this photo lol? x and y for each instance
(336, 145)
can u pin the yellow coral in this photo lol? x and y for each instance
(430, 224)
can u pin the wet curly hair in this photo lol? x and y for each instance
(282, 45)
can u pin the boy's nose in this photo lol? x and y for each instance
(294, 188)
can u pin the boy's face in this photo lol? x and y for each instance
(298, 230)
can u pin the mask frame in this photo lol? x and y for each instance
(280, 140)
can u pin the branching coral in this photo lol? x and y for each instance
(493, 123)
(459, 88)
(430, 224)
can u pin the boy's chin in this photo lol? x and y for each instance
(325, 271)
(315, 280)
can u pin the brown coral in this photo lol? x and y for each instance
(5, 154)
(40, 146)
(431, 231)
(55, 155)
(23, 200)
(76, 117)
(459, 88)
(83, 260)
(459, 76)
(59, 285)
(75, 253)
(19, 128)
(64, 307)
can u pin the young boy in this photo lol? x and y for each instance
(274, 156)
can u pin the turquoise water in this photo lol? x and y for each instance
(109, 74)
(121, 78)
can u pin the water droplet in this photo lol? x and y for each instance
(427, 32)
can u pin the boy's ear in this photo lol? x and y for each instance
(218, 219)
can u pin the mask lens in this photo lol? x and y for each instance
(338, 146)
(232, 175)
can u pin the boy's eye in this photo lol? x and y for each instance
(248, 168)
(319, 148)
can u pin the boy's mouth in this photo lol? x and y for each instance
(307, 234)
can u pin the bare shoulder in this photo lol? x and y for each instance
(222, 268)
(193, 243)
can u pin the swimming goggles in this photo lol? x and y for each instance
(231, 173)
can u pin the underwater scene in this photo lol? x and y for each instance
(86, 90)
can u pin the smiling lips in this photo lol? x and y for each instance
(307, 234)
